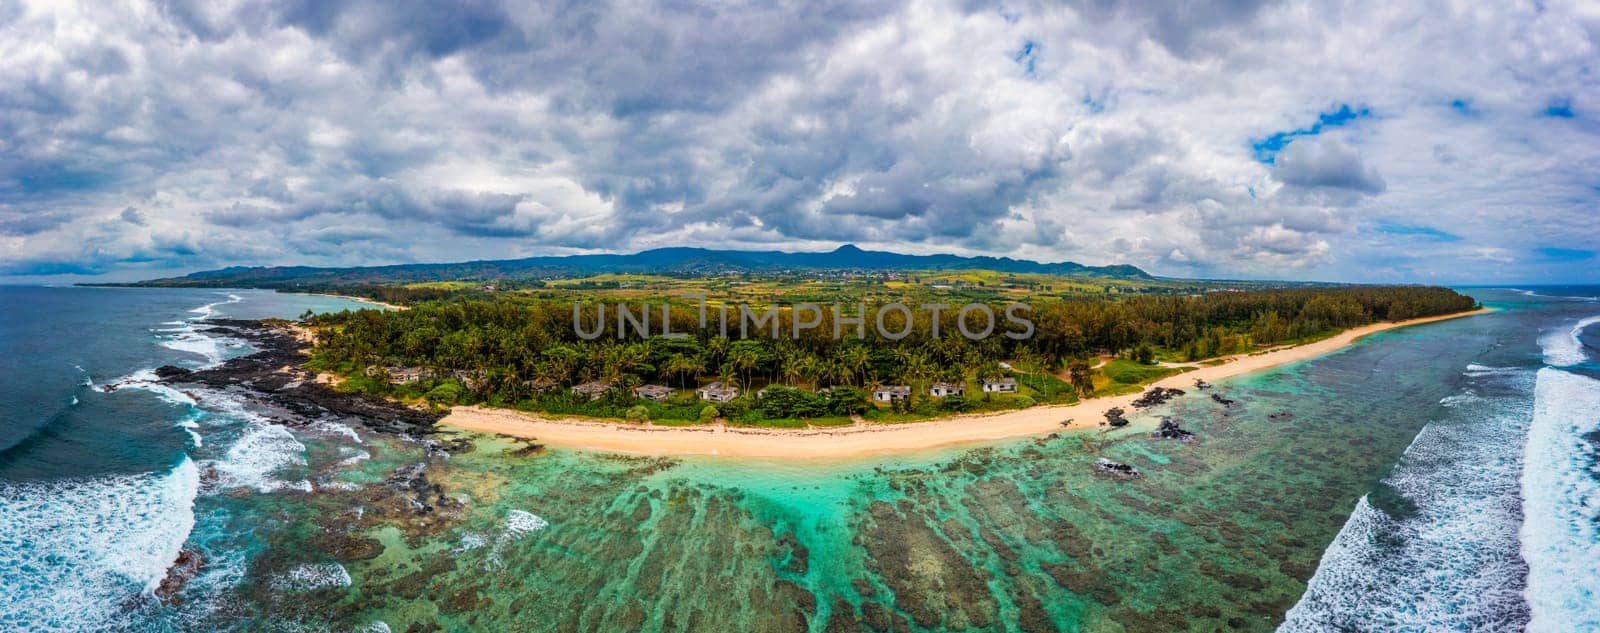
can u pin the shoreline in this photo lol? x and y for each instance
(878, 439)
(375, 302)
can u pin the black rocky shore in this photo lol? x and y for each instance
(273, 375)
(272, 378)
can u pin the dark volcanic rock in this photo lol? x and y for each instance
(1155, 396)
(1217, 397)
(1114, 417)
(1169, 429)
(274, 376)
(171, 371)
(184, 569)
(1113, 469)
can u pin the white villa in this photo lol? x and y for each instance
(942, 389)
(594, 389)
(890, 393)
(1000, 385)
(718, 392)
(653, 392)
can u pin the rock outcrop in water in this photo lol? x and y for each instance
(1170, 430)
(1114, 417)
(184, 569)
(171, 371)
(1226, 402)
(1155, 396)
(1113, 469)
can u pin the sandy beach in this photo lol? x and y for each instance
(373, 302)
(874, 439)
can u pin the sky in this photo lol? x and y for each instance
(1369, 141)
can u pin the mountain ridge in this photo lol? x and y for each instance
(668, 260)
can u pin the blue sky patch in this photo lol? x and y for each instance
(1427, 232)
(1561, 109)
(1266, 150)
(1026, 57)
(1565, 254)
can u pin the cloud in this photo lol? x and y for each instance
(1224, 138)
(1324, 162)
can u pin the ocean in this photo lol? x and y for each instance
(1441, 477)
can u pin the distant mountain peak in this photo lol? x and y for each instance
(848, 249)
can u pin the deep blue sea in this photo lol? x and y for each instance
(105, 476)
(98, 475)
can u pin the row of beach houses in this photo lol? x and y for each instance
(714, 392)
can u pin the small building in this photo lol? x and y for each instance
(474, 379)
(891, 393)
(718, 392)
(942, 389)
(1000, 385)
(398, 375)
(594, 389)
(653, 392)
(540, 385)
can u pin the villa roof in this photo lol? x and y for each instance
(592, 387)
(649, 391)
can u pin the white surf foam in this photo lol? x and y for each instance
(519, 522)
(186, 337)
(1453, 563)
(310, 577)
(1465, 398)
(1474, 369)
(255, 459)
(1562, 348)
(1531, 293)
(1561, 500)
(79, 549)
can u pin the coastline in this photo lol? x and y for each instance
(375, 302)
(877, 439)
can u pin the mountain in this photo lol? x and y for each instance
(668, 261)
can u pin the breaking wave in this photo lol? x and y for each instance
(1564, 349)
(79, 549)
(1561, 495)
(1440, 549)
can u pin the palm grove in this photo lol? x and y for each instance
(506, 352)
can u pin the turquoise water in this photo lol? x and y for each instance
(1405, 457)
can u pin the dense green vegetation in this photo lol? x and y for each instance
(521, 352)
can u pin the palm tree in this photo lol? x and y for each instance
(718, 347)
(746, 360)
(793, 370)
(856, 359)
